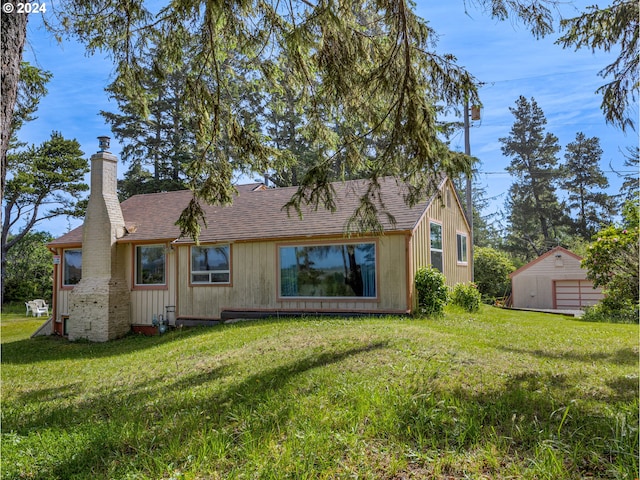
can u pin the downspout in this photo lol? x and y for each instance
(55, 291)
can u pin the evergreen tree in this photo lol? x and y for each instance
(46, 182)
(29, 270)
(584, 182)
(630, 190)
(608, 28)
(535, 215)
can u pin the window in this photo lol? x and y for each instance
(72, 267)
(343, 270)
(150, 265)
(210, 264)
(461, 240)
(436, 245)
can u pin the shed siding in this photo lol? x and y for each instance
(534, 286)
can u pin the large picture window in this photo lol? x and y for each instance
(436, 245)
(71, 267)
(150, 265)
(210, 264)
(337, 270)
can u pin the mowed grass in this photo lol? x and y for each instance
(493, 395)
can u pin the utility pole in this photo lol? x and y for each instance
(469, 197)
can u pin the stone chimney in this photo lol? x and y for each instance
(99, 303)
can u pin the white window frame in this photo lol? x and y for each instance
(462, 259)
(432, 249)
(210, 273)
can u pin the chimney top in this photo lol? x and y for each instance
(103, 143)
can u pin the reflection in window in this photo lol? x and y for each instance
(72, 267)
(150, 265)
(462, 247)
(436, 245)
(347, 270)
(210, 264)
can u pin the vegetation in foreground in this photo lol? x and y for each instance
(492, 394)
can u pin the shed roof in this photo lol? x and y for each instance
(258, 214)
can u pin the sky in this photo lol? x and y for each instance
(503, 55)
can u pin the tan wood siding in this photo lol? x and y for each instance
(535, 285)
(452, 220)
(254, 283)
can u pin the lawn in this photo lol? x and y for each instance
(496, 394)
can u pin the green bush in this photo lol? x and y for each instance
(606, 313)
(467, 296)
(491, 273)
(432, 291)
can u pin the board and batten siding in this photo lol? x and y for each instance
(446, 212)
(254, 281)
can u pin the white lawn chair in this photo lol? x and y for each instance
(38, 307)
(30, 306)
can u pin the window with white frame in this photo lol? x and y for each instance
(461, 241)
(150, 265)
(435, 236)
(71, 267)
(211, 264)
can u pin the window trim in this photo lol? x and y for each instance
(432, 249)
(67, 286)
(134, 270)
(464, 261)
(321, 243)
(211, 284)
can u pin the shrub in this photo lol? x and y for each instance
(432, 291)
(491, 273)
(603, 312)
(467, 296)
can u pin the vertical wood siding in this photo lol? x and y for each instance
(451, 217)
(254, 283)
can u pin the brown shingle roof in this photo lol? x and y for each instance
(257, 214)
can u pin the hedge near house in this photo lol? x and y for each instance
(433, 293)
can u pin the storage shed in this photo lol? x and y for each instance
(555, 280)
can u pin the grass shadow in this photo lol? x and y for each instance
(44, 349)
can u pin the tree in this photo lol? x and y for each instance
(615, 26)
(379, 72)
(491, 273)
(535, 214)
(612, 260)
(46, 182)
(13, 32)
(630, 189)
(29, 270)
(581, 177)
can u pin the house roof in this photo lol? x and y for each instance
(553, 251)
(258, 214)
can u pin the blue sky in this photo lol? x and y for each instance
(503, 55)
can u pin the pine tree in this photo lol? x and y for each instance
(585, 181)
(535, 215)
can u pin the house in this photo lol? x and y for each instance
(128, 264)
(554, 280)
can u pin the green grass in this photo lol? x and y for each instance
(496, 394)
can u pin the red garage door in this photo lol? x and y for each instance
(575, 294)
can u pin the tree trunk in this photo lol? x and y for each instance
(14, 33)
